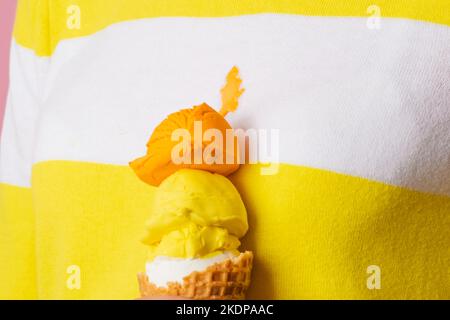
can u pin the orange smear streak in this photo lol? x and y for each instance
(231, 92)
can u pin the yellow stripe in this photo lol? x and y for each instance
(314, 233)
(89, 216)
(42, 24)
(17, 251)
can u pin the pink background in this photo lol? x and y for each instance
(7, 13)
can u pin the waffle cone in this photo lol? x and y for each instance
(226, 280)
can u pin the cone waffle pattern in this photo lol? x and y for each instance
(227, 280)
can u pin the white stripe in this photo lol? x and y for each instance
(370, 103)
(27, 78)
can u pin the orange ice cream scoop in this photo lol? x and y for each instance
(158, 163)
(195, 145)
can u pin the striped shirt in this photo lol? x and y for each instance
(359, 92)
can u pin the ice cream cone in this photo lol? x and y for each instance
(198, 215)
(227, 280)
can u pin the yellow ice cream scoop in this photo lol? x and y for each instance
(196, 197)
(195, 241)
